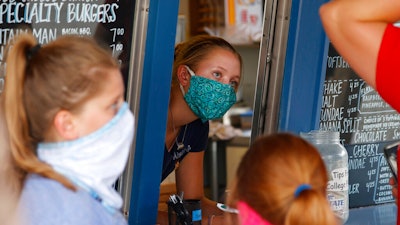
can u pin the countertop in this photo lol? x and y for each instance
(383, 214)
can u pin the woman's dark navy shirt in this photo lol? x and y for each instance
(195, 141)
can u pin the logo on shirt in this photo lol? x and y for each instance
(179, 154)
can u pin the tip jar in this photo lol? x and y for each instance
(335, 158)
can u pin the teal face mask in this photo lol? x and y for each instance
(208, 99)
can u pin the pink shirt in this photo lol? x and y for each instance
(388, 71)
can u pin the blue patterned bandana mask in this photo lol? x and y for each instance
(208, 99)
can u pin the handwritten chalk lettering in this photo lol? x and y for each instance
(353, 85)
(371, 100)
(366, 150)
(116, 48)
(384, 199)
(374, 126)
(372, 97)
(339, 174)
(350, 125)
(385, 187)
(383, 161)
(394, 124)
(396, 134)
(84, 31)
(389, 125)
(384, 175)
(370, 185)
(387, 105)
(351, 110)
(384, 193)
(385, 169)
(69, 31)
(7, 34)
(351, 97)
(117, 32)
(330, 126)
(373, 160)
(337, 185)
(339, 180)
(353, 188)
(355, 164)
(366, 90)
(372, 105)
(371, 173)
(328, 101)
(369, 136)
(371, 119)
(337, 62)
(44, 35)
(392, 117)
(20, 12)
(333, 87)
(86, 12)
(384, 196)
(331, 114)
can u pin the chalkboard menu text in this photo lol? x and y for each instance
(110, 22)
(366, 124)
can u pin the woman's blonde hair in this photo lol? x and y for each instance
(198, 48)
(40, 81)
(270, 173)
(10, 179)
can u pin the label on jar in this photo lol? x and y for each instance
(339, 180)
(337, 191)
(337, 201)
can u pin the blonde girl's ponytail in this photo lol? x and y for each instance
(20, 141)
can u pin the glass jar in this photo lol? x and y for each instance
(336, 161)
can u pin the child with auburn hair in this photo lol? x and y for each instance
(281, 180)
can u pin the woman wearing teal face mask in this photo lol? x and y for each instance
(206, 76)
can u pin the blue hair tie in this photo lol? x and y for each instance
(301, 188)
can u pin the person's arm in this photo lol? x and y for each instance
(356, 27)
(189, 180)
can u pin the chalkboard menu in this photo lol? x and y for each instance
(110, 22)
(366, 124)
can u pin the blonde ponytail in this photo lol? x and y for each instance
(20, 141)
